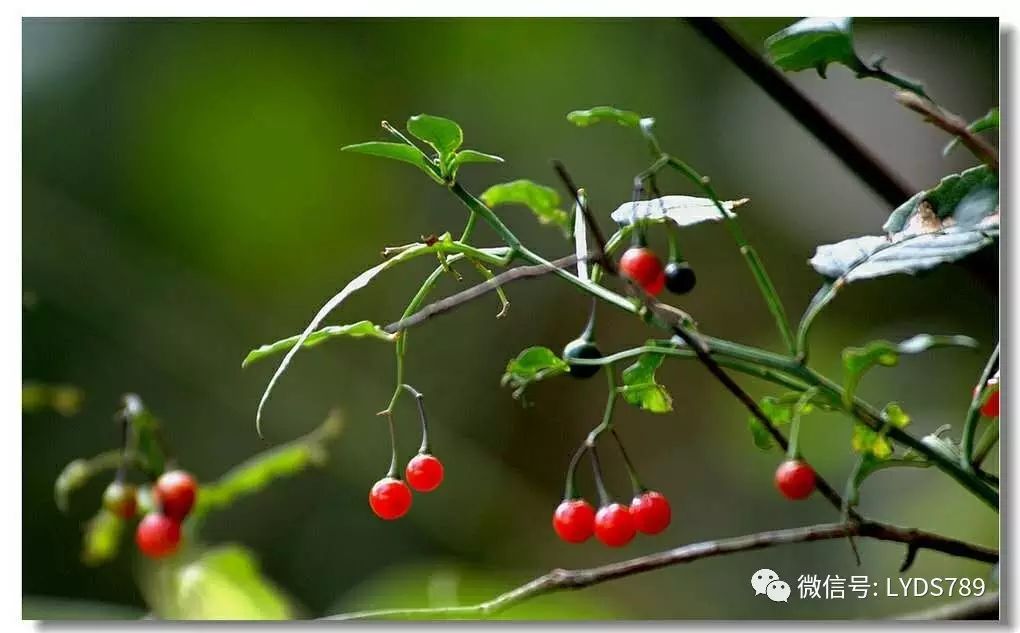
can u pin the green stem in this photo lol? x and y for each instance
(985, 444)
(635, 482)
(974, 412)
(570, 489)
(793, 449)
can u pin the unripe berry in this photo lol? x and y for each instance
(680, 277)
(580, 348)
(121, 499)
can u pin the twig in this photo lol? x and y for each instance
(953, 124)
(561, 579)
(861, 162)
(451, 302)
(589, 218)
(985, 607)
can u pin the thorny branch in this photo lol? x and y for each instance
(561, 579)
(952, 124)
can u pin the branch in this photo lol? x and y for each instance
(464, 296)
(953, 124)
(985, 607)
(561, 579)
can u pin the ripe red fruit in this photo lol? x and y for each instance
(650, 511)
(390, 498)
(644, 268)
(990, 409)
(795, 479)
(120, 499)
(574, 520)
(175, 491)
(614, 525)
(158, 535)
(424, 472)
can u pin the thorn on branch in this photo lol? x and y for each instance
(953, 124)
(908, 560)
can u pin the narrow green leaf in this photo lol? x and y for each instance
(759, 434)
(858, 360)
(360, 329)
(543, 201)
(472, 156)
(990, 121)
(813, 43)
(260, 470)
(681, 210)
(394, 151)
(444, 135)
(870, 465)
(598, 114)
(640, 387)
(530, 366)
(101, 538)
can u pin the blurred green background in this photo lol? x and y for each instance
(185, 200)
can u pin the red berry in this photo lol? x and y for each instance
(175, 491)
(390, 498)
(795, 479)
(644, 268)
(651, 512)
(120, 499)
(990, 409)
(574, 520)
(614, 525)
(158, 535)
(424, 472)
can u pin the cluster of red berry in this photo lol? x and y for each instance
(390, 497)
(615, 524)
(641, 265)
(159, 532)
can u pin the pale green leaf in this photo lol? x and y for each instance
(444, 135)
(394, 151)
(598, 114)
(990, 121)
(532, 365)
(360, 329)
(640, 387)
(858, 360)
(543, 201)
(813, 43)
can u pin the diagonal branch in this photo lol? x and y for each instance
(985, 607)
(561, 579)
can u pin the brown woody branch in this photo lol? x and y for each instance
(561, 579)
(952, 123)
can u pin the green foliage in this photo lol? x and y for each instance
(780, 411)
(145, 429)
(101, 538)
(858, 360)
(869, 464)
(224, 583)
(681, 210)
(64, 399)
(868, 441)
(543, 201)
(990, 121)
(814, 43)
(968, 199)
(444, 135)
(598, 114)
(262, 469)
(78, 472)
(393, 151)
(640, 387)
(530, 366)
(355, 330)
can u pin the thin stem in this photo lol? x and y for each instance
(793, 451)
(393, 472)
(596, 467)
(419, 399)
(985, 445)
(563, 579)
(953, 124)
(570, 488)
(974, 412)
(635, 481)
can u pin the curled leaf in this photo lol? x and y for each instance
(681, 210)
(598, 114)
(813, 43)
(359, 329)
(640, 387)
(858, 360)
(530, 366)
(444, 135)
(543, 201)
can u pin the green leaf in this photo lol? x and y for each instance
(101, 538)
(869, 441)
(472, 156)
(969, 199)
(598, 114)
(759, 434)
(532, 365)
(224, 583)
(858, 360)
(681, 210)
(870, 465)
(394, 151)
(543, 201)
(894, 415)
(814, 43)
(78, 473)
(262, 469)
(64, 399)
(355, 330)
(640, 387)
(444, 135)
(990, 121)
(780, 411)
(145, 426)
